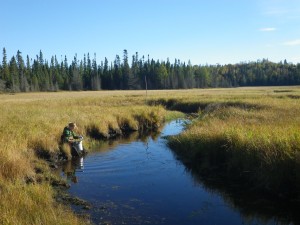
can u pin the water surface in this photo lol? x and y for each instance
(140, 181)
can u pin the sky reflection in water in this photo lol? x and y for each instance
(142, 182)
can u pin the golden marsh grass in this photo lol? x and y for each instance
(251, 133)
(247, 127)
(31, 125)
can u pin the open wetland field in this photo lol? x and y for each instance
(198, 156)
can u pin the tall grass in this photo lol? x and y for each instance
(31, 126)
(251, 137)
(252, 129)
(33, 204)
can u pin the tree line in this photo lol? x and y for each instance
(38, 74)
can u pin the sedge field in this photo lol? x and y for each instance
(255, 131)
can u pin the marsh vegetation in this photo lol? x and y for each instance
(250, 134)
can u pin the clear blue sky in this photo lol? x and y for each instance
(204, 31)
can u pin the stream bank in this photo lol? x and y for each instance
(141, 181)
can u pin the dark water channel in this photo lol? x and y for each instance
(138, 180)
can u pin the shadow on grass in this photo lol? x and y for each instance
(194, 107)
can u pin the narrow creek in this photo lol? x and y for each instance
(138, 180)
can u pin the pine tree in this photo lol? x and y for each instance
(24, 87)
(81, 72)
(163, 75)
(42, 74)
(95, 79)
(13, 70)
(125, 70)
(133, 81)
(74, 75)
(35, 76)
(28, 73)
(107, 81)
(66, 77)
(88, 73)
(54, 74)
(117, 74)
(5, 75)
(58, 75)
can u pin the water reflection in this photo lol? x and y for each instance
(255, 208)
(73, 167)
(139, 180)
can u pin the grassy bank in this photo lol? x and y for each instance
(249, 133)
(251, 136)
(30, 129)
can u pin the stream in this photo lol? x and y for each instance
(139, 180)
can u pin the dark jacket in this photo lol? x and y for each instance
(68, 135)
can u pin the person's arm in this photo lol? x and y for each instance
(74, 135)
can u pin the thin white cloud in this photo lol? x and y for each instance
(267, 29)
(292, 43)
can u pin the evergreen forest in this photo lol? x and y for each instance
(25, 74)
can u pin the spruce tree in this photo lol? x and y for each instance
(13, 70)
(24, 86)
(117, 74)
(95, 80)
(5, 75)
(125, 70)
(88, 73)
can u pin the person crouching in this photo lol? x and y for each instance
(75, 141)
